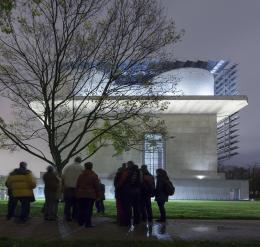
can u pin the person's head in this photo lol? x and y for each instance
(130, 164)
(78, 159)
(160, 172)
(124, 165)
(144, 169)
(50, 169)
(88, 165)
(23, 165)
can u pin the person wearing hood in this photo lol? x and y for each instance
(21, 183)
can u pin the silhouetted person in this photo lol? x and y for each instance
(10, 202)
(70, 174)
(88, 191)
(147, 191)
(21, 184)
(52, 193)
(160, 195)
(99, 203)
(130, 183)
(118, 195)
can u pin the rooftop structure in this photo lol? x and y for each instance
(225, 84)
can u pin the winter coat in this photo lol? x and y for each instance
(148, 185)
(21, 183)
(117, 178)
(52, 185)
(88, 185)
(70, 174)
(130, 182)
(160, 194)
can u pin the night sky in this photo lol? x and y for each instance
(228, 30)
(221, 29)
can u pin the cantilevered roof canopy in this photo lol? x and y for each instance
(222, 106)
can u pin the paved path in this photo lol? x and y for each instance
(105, 229)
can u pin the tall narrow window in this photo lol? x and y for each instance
(154, 153)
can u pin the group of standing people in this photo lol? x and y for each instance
(82, 189)
(134, 189)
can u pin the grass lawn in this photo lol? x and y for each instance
(180, 209)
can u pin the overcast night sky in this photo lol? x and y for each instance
(228, 30)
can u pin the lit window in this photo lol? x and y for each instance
(154, 152)
(40, 192)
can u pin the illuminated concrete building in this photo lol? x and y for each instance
(199, 139)
(201, 121)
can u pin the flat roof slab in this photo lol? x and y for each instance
(222, 106)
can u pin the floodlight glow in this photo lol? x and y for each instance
(200, 176)
(216, 68)
(189, 81)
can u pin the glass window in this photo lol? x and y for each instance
(40, 192)
(154, 152)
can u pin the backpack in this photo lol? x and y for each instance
(169, 188)
(134, 178)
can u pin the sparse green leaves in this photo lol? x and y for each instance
(37, 1)
(87, 24)
(6, 6)
(6, 29)
(36, 12)
(24, 24)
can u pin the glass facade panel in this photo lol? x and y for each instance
(154, 152)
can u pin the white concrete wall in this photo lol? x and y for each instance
(188, 189)
(191, 151)
(191, 160)
(206, 189)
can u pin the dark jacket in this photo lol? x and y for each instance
(160, 194)
(130, 182)
(116, 182)
(88, 185)
(52, 185)
(148, 185)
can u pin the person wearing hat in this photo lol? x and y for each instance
(51, 193)
(88, 190)
(21, 184)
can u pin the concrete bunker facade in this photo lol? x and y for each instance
(190, 154)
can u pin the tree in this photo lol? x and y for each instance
(67, 67)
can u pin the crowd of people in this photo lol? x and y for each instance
(82, 189)
(134, 189)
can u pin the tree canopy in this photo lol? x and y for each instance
(66, 66)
